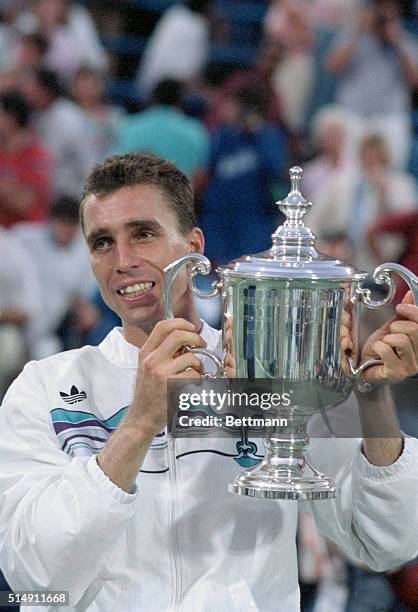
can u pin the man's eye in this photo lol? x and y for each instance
(101, 243)
(144, 235)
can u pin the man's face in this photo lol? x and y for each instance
(132, 236)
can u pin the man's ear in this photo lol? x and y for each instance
(196, 240)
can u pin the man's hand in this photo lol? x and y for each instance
(161, 357)
(396, 344)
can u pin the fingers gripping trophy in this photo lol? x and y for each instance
(291, 314)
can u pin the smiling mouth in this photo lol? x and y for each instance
(136, 290)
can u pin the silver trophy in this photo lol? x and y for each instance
(291, 314)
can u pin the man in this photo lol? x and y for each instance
(132, 520)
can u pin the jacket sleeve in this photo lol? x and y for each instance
(375, 517)
(60, 518)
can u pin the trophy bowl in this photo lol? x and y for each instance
(291, 314)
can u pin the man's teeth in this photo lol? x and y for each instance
(137, 289)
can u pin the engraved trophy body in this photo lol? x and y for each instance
(291, 314)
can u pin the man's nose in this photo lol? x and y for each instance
(127, 257)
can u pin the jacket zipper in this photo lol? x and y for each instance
(176, 595)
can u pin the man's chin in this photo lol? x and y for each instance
(146, 321)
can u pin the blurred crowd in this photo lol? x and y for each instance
(333, 87)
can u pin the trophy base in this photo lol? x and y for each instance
(266, 486)
(285, 472)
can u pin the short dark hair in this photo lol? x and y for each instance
(119, 171)
(65, 209)
(15, 105)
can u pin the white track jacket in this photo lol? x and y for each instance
(180, 542)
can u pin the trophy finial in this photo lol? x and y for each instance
(295, 178)
(294, 207)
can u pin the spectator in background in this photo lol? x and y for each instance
(178, 48)
(353, 205)
(71, 34)
(61, 125)
(288, 23)
(59, 255)
(260, 76)
(164, 130)
(19, 306)
(101, 119)
(25, 165)
(26, 52)
(247, 153)
(378, 190)
(328, 177)
(352, 196)
(378, 64)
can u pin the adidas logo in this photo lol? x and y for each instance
(74, 396)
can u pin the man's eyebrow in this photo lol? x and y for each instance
(143, 223)
(149, 224)
(96, 234)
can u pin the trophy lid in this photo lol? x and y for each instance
(293, 253)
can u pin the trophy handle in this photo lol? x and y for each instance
(201, 265)
(382, 276)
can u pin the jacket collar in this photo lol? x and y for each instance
(125, 355)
